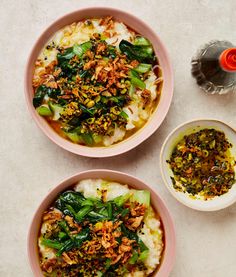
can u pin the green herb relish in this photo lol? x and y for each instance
(202, 164)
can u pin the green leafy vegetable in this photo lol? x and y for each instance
(142, 245)
(135, 79)
(87, 138)
(39, 96)
(143, 255)
(62, 236)
(70, 52)
(42, 91)
(64, 227)
(142, 53)
(96, 216)
(124, 212)
(80, 49)
(97, 138)
(124, 114)
(67, 246)
(99, 274)
(74, 121)
(120, 200)
(51, 243)
(81, 237)
(138, 83)
(89, 111)
(107, 263)
(134, 258)
(66, 55)
(44, 110)
(88, 202)
(71, 210)
(73, 241)
(74, 198)
(53, 92)
(143, 68)
(82, 213)
(142, 197)
(74, 136)
(141, 41)
(131, 90)
(109, 210)
(112, 51)
(56, 109)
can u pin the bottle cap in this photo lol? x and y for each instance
(228, 59)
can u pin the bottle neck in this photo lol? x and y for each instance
(227, 60)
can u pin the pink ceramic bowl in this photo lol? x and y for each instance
(156, 119)
(168, 256)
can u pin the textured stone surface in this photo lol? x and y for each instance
(31, 165)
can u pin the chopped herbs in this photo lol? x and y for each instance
(202, 164)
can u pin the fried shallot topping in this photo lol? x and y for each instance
(81, 239)
(48, 265)
(72, 224)
(146, 96)
(52, 216)
(135, 219)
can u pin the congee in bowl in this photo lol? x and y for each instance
(101, 228)
(97, 82)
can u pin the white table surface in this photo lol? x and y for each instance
(31, 165)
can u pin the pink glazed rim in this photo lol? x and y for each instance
(156, 119)
(168, 257)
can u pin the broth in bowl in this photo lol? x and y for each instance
(97, 82)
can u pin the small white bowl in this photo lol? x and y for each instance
(218, 202)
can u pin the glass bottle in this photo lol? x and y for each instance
(214, 67)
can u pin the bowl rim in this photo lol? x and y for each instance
(119, 147)
(169, 247)
(191, 204)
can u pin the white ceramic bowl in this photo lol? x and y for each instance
(173, 138)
